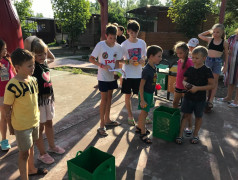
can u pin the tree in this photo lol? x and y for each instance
(189, 15)
(116, 13)
(24, 12)
(72, 16)
(231, 17)
(143, 3)
(40, 15)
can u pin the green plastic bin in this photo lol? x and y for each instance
(166, 123)
(162, 77)
(92, 164)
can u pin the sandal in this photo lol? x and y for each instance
(194, 140)
(113, 123)
(102, 131)
(223, 100)
(138, 130)
(40, 171)
(188, 132)
(145, 139)
(131, 122)
(148, 120)
(209, 107)
(179, 140)
(233, 105)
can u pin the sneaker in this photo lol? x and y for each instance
(5, 145)
(46, 158)
(57, 150)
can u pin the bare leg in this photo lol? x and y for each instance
(31, 166)
(49, 132)
(40, 142)
(230, 90)
(103, 108)
(236, 98)
(183, 123)
(3, 124)
(22, 163)
(214, 90)
(177, 97)
(108, 107)
(198, 123)
(141, 121)
(128, 105)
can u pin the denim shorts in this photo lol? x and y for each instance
(214, 64)
(189, 106)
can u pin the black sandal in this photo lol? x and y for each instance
(138, 130)
(179, 140)
(195, 140)
(209, 107)
(145, 139)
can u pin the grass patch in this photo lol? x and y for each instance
(86, 71)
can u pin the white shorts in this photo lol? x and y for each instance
(47, 112)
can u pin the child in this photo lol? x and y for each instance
(108, 53)
(7, 72)
(217, 46)
(45, 99)
(184, 63)
(22, 113)
(192, 43)
(197, 80)
(134, 50)
(147, 88)
(120, 34)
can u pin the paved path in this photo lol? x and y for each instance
(76, 121)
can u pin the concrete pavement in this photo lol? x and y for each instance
(77, 119)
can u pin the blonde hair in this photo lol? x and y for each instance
(221, 26)
(236, 31)
(200, 49)
(38, 46)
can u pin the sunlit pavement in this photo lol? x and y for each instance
(77, 120)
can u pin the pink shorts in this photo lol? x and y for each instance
(47, 112)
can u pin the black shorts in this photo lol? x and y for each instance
(130, 84)
(104, 86)
(177, 90)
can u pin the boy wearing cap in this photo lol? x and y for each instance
(192, 43)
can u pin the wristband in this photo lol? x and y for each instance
(101, 66)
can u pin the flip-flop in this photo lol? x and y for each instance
(131, 122)
(40, 171)
(113, 123)
(233, 105)
(223, 100)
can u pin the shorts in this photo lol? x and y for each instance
(25, 138)
(105, 86)
(189, 106)
(177, 90)
(149, 99)
(47, 112)
(1, 100)
(129, 85)
(214, 64)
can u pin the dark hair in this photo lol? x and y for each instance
(2, 43)
(121, 28)
(111, 29)
(184, 47)
(133, 25)
(200, 49)
(20, 56)
(153, 50)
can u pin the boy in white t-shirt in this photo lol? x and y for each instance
(134, 53)
(108, 53)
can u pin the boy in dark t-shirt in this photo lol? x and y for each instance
(146, 90)
(197, 80)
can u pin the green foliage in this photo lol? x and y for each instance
(116, 14)
(40, 15)
(143, 3)
(72, 16)
(53, 44)
(189, 15)
(24, 11)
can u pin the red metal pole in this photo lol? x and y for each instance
(10, 30)
(104, 17)
(222, 11)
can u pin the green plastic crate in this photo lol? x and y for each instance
(162, 79)
(166, 123)
(92, 164)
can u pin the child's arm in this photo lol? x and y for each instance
(7, 109)
(117, 64)
(141, 89)
(93, 60)
(194, 89)
(50, 57)
(226, 57)
(204, 36)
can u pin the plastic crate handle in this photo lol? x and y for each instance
(78, 153)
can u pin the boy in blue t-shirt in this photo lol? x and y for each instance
(146, 90)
